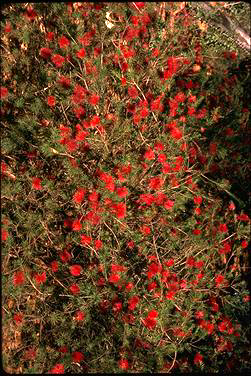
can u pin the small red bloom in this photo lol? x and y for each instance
(54, 266)
(7, 28)
(74, 289)
(3, 92)
(80, 316)
(198, 358)
(63, 42)
(223, 228)
(156, 183)
(76, 270)
(176, 133)
(36, 184)
(77, 357)
(18, 318)
(86, 240)
(51, 101)
(57, 369)
(197, 200)
(81, 53)
(219, 279)
(114, 278)
(94, 99)
(45, 52)
(145, 230)
(40, 278)
(97, 244)
(18, 278)
(244, 244)
(65, 256)
(168, 204)
(76, 225)
(149, 154)
(50, 36)
(123, 364)
(133, 92)
(58, 60)
(79, 195)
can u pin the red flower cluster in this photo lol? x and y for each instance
(63, 42)
(40, 278)
(76, 270)
(58, 60)
(150, 321)
(79, 195)
(36, 184)
(18, 278)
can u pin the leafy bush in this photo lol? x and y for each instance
(125, 218)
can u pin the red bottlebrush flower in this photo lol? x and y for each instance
(197, 200)
(8, 27)
(243, 217)
(122, 191)
(190, 262)
(117, 268)
(63, 42)
(151, 286)
(86, 240)
(123, 364)
(65, 256)
(133, 92)
(223, 228)
(219, 279)
(114, 278)
(97, 244)
(231, 206)
(117, 306)
(76, 225)
(196, 231)
(3, 92)
(77, 357)
(93, 197)
(120, 209)
(76, 270)
(129, 286)
(57, 369)
(4, 235)
(145, 230)
(51, 101)
(180, 97)
(199, 314)
(94, 99)
(74, 289)
(160, 198)
(54, 266)
(156, 183)
(18, 318)
(165, 168)
(244, 244)
(45, 52)
(40, 278)
(80, 316)
(162, 158)
(58, 60)
(36, 184)
(197, 211)
(198, 358)
(65, 82)
(169, 263)
(81, 53)
(147, 198)
(168, 204)
(176, 133)
(149, 154)
(123, 81)
(79, 195)
(49, 36)
(149, 323)
(155, 52)
(18, 278)
(131, 244)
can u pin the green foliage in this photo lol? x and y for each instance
(159, 177)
